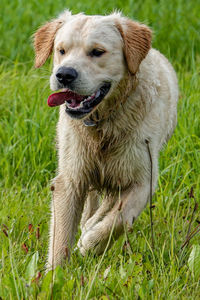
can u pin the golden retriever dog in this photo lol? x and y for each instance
(118, 99)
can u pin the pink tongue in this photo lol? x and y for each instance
(60, 98)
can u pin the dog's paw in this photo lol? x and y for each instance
(92, 240)
(97, 230)
(90, 223)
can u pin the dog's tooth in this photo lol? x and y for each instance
(88, 98)
(98, 93)
(67, 104)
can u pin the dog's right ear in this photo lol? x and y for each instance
(44, 41)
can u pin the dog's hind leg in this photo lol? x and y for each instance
(90, 207)
(67, 206)
(106, 205)
(123, 213)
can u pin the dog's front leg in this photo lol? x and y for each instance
(67, 205)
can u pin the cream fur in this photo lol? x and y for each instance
(111, 156)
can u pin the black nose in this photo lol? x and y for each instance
(66, 75)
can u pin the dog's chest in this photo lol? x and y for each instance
(121, 166)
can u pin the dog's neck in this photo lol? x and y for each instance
(112, 125)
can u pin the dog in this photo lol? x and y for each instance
(118, 106)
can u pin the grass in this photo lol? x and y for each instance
(28, 162)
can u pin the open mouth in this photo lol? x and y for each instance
(77, 106)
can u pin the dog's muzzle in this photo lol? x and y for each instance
(78, 106)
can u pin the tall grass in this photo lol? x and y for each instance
(28, 162)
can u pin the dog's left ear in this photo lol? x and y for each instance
(137, 42)
(44, 41)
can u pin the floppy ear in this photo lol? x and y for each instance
(44, 40)
(137, 42)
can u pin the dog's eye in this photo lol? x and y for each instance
(96, 52)
(62, 51)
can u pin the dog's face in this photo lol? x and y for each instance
(88, 60)
(91, 56)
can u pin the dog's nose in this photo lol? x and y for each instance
(66, 75)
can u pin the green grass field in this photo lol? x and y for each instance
(130, 269)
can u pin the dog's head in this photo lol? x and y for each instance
(91, 56)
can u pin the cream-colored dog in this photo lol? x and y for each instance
(116, 93)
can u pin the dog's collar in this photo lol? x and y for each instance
(93, 120)
(90, 122)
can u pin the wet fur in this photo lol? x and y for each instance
(111, 157)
